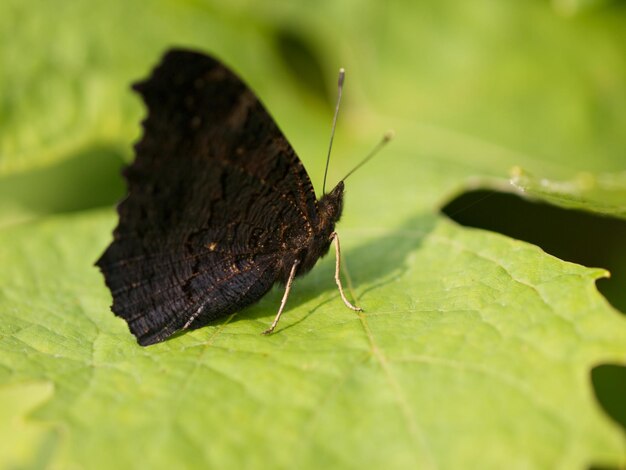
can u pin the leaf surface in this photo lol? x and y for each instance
(474, 351)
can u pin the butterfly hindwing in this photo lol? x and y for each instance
(216, 196)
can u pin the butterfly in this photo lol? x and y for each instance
(219, 206)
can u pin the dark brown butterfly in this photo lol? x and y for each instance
(219, 206)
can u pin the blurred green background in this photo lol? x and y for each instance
(527, 98)
(539, 79)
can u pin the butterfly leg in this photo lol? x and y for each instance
(292, 274)
(334, 236)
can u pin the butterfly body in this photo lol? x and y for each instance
(309, 250)
(219, 206)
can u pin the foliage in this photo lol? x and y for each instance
(474, 350)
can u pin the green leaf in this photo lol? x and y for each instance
(467, 338)
(25, 443)
(474, 350)
(602, 194)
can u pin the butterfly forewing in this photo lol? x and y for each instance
(216, 196)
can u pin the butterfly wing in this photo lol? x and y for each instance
(215, 195)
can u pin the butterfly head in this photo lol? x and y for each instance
(331, 205)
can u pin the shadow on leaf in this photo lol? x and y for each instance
(571, 235)
(371, 265)
(87, 180)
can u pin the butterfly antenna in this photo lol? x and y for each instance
(342, 75)
(386, 138)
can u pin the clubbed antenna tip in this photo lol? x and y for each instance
(342, 76)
